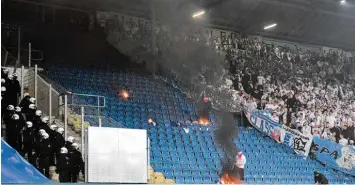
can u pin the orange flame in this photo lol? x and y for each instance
(227, 179)
(124, 94)
(203, 121)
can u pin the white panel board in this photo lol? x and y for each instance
(133, 157)
(102, 154)
(117, 155)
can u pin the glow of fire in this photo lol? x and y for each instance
(124, 94)
(203, 121)
(226, 179)
(150, 120)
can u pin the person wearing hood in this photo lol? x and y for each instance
(63, 165)
(45, 151)
(77, 163)
(25, 102)
(28, 136)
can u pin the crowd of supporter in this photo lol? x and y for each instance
(310, 91)
(31, 134)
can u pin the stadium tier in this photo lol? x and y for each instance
(183, 151)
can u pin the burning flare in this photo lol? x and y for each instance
(124, 94)
(229, 179)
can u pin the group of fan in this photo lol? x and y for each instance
(31, 134)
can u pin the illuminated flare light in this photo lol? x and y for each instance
(227, 179)
(197, 14)
(270, 26)
(203, 121)
(124, 94)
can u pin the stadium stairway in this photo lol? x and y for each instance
(187, 157)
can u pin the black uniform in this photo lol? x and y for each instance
(14, 90)
(77, 164)
(68, 146)
(28, 136)
(63, 167)
(52, 135)
(30, 115)
(24, 104)
(21, 126)
(12, 132)
(45, 127)
(59, 141)
(36, 148)
(36, 122)
(44, 155)
(7, 116)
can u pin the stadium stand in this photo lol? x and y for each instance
(186, 157)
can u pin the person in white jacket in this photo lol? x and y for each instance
(239, 165)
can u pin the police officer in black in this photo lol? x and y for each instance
(37, 147)
(44, 155)
(12, 128)
(21, 126)
(77, 162)
(31, 113)
(8, 114)
(25, 102)
(28, 136)
(63, 165)
(37, 119)
(14, 90)
(68, 143)
(44, 125)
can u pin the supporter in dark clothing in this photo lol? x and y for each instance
(64, 166)
(77, 162)
(45, 151)
(28, 136)
(320, 178)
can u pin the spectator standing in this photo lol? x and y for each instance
(239, 165)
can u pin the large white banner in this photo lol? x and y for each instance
(116, 155)
(300, 143)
